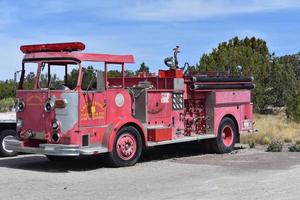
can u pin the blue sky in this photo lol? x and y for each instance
(146, 29)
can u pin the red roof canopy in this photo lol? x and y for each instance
(63, 51)
(108, 58)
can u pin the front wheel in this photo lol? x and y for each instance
(6, 134)
(227, 135)
(127, 148)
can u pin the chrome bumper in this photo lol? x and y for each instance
(251, 131)
(53, 149)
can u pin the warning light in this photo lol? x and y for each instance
(54, 47)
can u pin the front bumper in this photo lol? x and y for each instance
(53, 149)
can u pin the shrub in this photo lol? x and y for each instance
(293, 106)
(272, 127)
(266, 140)
(295, 148)
(7, 89)
(251, 144)
(288, 140)
(275, 146)
(6, 104)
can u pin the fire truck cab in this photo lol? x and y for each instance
(90, 113)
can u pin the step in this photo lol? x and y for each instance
(183, 139)
(93, 150)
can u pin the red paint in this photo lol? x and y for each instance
(158, 135)
(223, 97)
(108, 58)
(100, 115)
(171, 73)
(57, 47)
(116, 124)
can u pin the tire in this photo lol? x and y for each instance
(127, 148)
(60, 158)
(6, 134)
(226, 138)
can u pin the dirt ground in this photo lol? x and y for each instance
(171, 172)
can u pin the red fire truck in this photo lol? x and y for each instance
(88, 112)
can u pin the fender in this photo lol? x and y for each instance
(113, 128)
(230, 111)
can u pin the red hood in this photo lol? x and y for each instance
(34, 117)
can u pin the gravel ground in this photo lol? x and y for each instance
(171, 172)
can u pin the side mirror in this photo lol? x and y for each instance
(16, 76)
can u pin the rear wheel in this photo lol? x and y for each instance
(227, 136)
(5, 135)
(127, 148)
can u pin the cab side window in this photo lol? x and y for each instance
(89, 79)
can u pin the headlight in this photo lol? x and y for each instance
(20, 106)
(19, 123)
(49, 105)
(55, 125)
(55, 137)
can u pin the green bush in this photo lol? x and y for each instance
(294, 148)
(293, 106)
(274, 76)
(7, 89)
(275, 146)
(7, 104)
(266, 140)
(251, 144)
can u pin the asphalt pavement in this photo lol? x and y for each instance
(171, 172)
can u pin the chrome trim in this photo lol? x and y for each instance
(20, 102)
(51, 104)
(251, 131)
(184, 139)
(4, 146)
(19, 123)
(68, 116)
(53, 149)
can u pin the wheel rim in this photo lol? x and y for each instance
(3, 144)
(126, 146)
(227, 136)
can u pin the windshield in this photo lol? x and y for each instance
(54, 76)
(58, 76)
(27, 76)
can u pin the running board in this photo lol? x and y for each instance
(184, 139)
(93, 150)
